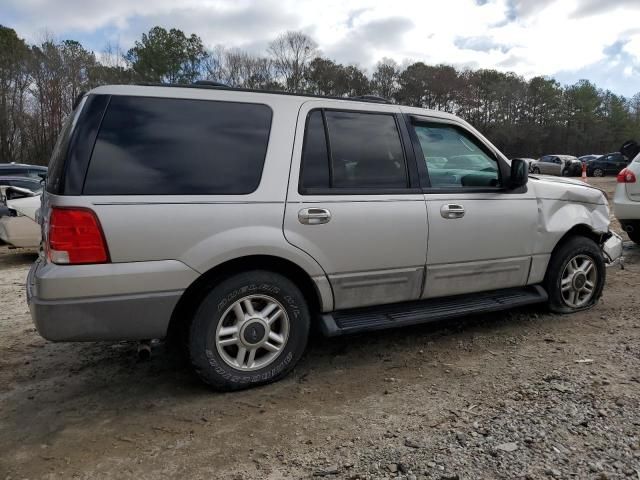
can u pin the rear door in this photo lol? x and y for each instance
(480, 234)
(354, 202)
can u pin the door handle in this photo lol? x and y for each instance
(451, 211)
(314, 216)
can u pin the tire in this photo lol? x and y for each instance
(565, 172)
(561, 284)
(214, 346)
(635, 236)
(598, 172)
(535, 170)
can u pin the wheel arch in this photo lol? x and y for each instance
(194, 293)
(580, 229)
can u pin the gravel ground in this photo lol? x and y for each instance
(522, 394)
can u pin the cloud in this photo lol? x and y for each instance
(481, 43)
(594, 7)
(568, 38)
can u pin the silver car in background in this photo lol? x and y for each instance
(561, 165)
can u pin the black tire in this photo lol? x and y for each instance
(535, 170)
(565, 252)
(635, 235)
(598, 172)
(205, 358)
(565, 172)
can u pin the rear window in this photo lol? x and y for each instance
(59, 154)
(165, 146)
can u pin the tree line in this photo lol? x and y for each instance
(39, 84)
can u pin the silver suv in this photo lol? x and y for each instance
(237, 220)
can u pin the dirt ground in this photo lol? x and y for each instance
(522, 394)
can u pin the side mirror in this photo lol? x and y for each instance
(519, 174)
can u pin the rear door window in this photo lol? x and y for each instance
(166, 146)
(352, 150)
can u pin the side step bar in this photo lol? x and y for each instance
(365, 319)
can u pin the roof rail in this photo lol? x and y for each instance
(208, 84)
(370, 98)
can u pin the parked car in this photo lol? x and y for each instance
(18, 225)
(22, 170)
(234, 220)
(626, 200)
(564, 165)
(609, 164)
(589, 158)
(528, 161)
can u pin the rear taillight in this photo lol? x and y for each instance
(75, 237)
(626, 176)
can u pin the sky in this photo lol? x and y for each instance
(597, 40)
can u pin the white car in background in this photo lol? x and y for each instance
(626, 201)
(18, 217)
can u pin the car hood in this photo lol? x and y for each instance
(567, 189)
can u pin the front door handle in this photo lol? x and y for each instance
(314, 216)
(451, 211)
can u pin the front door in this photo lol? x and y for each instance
(354, 202)
(480, 234)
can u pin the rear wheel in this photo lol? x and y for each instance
(249, 330)
(598, 172)
(575, 275)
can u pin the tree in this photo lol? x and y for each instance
(168, 56)
(385, 78)
(14, 80)
(291, 53)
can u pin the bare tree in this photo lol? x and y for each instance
(385, 78)
(291, 53)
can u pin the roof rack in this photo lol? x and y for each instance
(208, 84)
(370, 98)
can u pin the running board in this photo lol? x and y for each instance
(365, 319)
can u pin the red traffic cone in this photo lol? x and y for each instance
(584, 172)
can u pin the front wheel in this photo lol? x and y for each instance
(535, 170)
(598, 172)
(575, 275)
(249, 330)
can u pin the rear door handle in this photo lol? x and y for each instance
(451, 211)
(314, 216)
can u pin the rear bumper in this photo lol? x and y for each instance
(117, 316)
(624, 208)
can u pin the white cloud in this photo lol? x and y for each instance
(530, 37)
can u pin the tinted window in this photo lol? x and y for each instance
(461, 161)
(315, 157)
(162, 146)
(366, 151)
(58, 156)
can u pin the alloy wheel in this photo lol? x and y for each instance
(578, 281)
(252, 332)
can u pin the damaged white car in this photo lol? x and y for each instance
(18, 217)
